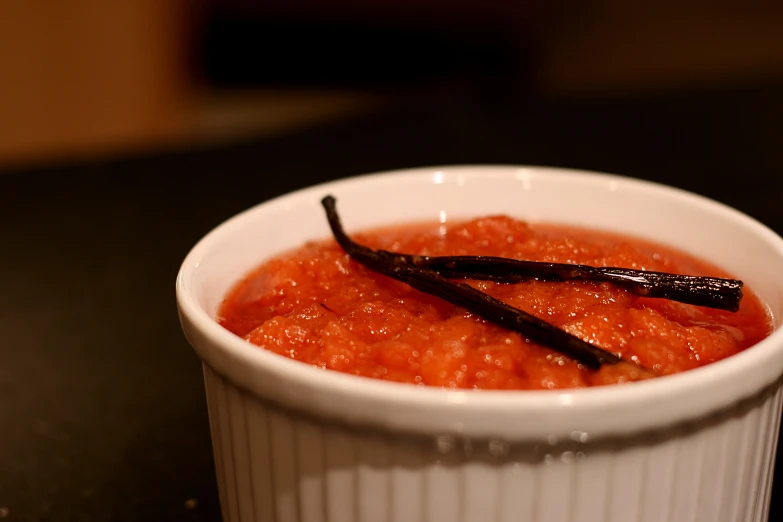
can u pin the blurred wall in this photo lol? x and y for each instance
(606, 47)
(80, 76)
(434, 13)
(84, 77)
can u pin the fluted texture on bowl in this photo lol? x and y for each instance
(277, 465)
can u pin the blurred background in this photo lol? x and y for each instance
(89, 77)
(130, 128)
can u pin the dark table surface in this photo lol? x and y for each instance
(102, 410)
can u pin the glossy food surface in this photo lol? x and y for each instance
(318, 306)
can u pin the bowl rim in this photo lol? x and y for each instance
(484, 402)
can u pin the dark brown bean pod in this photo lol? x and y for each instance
(401, 268)
(712, 292)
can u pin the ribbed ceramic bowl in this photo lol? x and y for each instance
(295, 443)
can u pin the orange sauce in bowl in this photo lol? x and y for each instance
(317, 306)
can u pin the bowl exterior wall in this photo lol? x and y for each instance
(279, 465)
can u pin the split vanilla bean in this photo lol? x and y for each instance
(429, 281)
(712, 292)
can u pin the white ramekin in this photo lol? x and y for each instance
(295, 443)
